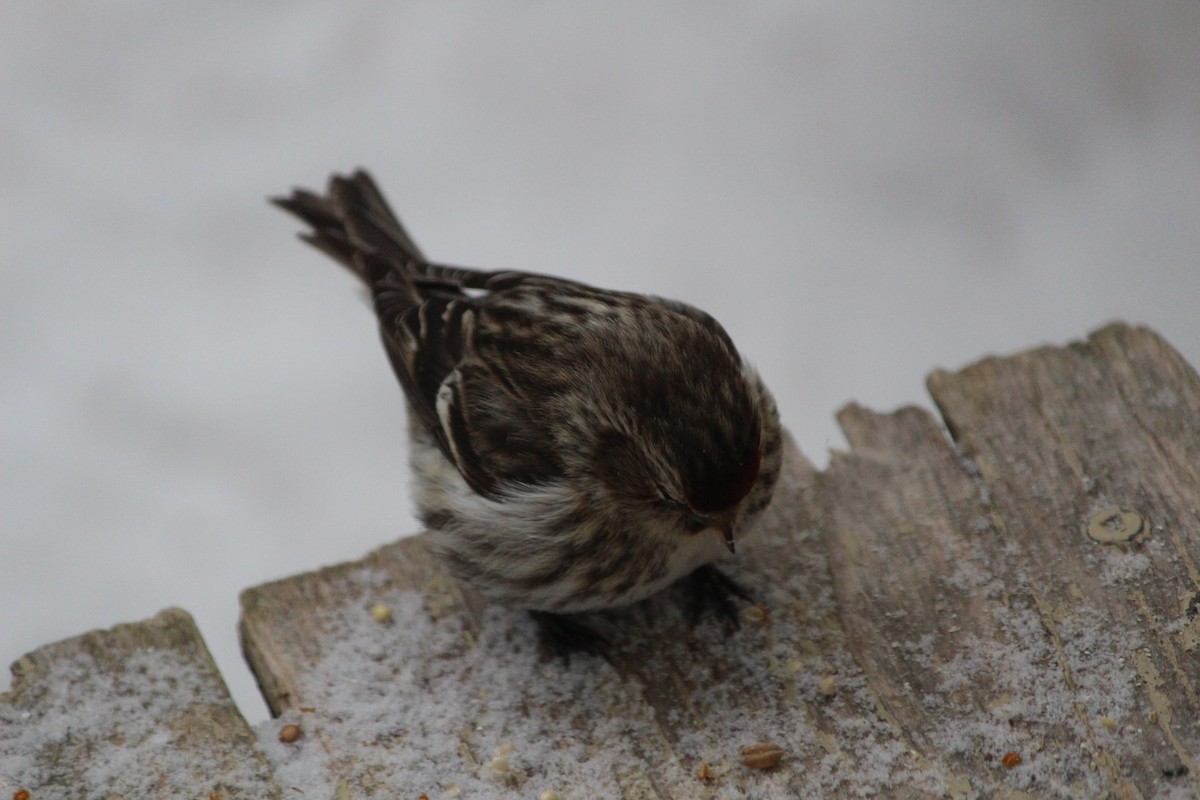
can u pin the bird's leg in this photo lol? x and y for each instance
(709, 589)
(564, 634)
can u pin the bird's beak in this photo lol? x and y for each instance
(726, 533)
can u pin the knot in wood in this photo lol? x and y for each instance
(1114, 525)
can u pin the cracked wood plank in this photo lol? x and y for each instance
(135, 711)
(1063, 438)
(1024, 599)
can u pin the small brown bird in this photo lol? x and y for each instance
(574, 448)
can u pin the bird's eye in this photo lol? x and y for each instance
(688, 517)
(666, 499)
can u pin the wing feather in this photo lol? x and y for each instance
(426, 320)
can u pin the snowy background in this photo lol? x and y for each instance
(191, 402)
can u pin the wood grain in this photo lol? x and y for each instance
(1060, 437)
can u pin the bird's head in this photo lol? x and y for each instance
(692, 449)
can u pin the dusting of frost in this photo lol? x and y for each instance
(425, 705)
(118, 733)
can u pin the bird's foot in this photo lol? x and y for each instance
(563, 635)
(710, 590)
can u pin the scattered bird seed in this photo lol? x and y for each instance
(763, 755)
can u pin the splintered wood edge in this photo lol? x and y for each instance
(1118, 414)
(876, 509)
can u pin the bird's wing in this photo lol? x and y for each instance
(479, 419)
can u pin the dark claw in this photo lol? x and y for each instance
(709, 589)
(562, 635)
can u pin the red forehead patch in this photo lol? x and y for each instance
(725, 488)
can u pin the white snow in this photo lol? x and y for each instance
(122, 730)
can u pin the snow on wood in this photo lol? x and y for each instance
(935, 621)
(453, 696)
(1025, 603)
(1012, 611)
(136, 711)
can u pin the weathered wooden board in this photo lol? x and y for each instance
(425, 704)
(136, 711)
(989, 621)
(938, 623)
(1100, 440)
(1014, 613)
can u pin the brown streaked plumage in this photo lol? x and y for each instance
(571, 445)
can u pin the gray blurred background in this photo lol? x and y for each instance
(192, 402)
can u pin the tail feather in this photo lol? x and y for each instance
(328, 234)
(370, 220)
(422, 308)
(353, 224)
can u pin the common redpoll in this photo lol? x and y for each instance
(574, 448)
